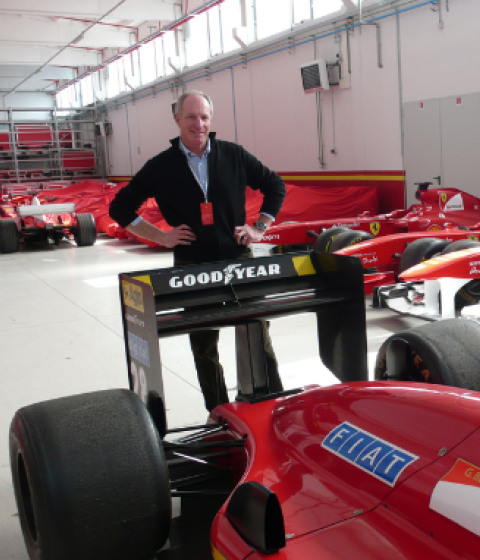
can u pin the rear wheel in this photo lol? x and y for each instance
(86, 231)
(420, 250)
(445, 352)
(325, 239)
(90, 478)
(349, 238)
(9, 238)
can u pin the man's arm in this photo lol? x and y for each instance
(180, 235)
(271, 185)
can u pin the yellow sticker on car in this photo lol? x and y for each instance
(303, 266)
(132, 296)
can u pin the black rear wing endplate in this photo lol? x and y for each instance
(165, 302)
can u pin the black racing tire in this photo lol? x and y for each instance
(90, 478)
(445, 353)
(85, 233)
(420, 250)
(349, 238)
(325, 239)
(460, 245)
(9, 237)
(470, 293)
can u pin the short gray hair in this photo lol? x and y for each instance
(181, 99)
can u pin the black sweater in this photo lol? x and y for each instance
(167, 178)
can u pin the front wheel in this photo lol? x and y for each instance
(445, 352)
(420, 250)
(324, 240)
(90, 478)
(349, 238)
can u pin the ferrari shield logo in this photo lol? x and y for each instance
(375, 227)
(443, 196)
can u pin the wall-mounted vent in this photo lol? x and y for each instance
(315, 76)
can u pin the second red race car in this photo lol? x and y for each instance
(438, 209)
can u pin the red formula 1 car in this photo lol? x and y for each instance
(438, 209)
(24, 219)
(385, 258)
(439, 288)
(367, 470)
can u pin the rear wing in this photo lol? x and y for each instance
(42, 209)
(165, 302)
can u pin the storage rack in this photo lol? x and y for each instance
(49, 144)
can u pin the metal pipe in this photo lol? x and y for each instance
(400, 99)
(263, 55)
(73, 41)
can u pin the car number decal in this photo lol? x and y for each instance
(457, 496)
(378, 457)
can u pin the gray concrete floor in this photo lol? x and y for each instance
(61, 334)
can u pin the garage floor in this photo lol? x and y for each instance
(61, 334)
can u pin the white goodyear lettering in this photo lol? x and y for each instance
(457, 496)
(378, 457)
(226, 275)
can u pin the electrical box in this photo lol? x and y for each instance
(315, 76)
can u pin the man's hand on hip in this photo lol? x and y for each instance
(180, 235)
(244, 235)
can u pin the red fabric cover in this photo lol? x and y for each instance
(315, 203)
(301, 204)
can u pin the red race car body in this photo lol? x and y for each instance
(353, 480)
(428, 290)
(438, 209)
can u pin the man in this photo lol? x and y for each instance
(199, 185)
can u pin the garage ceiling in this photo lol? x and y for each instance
(33, 32)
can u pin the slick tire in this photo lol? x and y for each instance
(420, 250)
(460, 245)
(90, 478)
(470, 293)
(349, 238)
(9, 238)
(325, 239)
(445, 353)
(86, 231)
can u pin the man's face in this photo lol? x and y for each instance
(194, 123)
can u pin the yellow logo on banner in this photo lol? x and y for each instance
(474, 237)
(375, 227)
(132, 296)
(444, 197)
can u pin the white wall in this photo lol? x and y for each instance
(264, 108)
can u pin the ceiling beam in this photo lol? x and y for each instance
(36, 56)
(47, 73)
(93, 9)
(41, 31)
